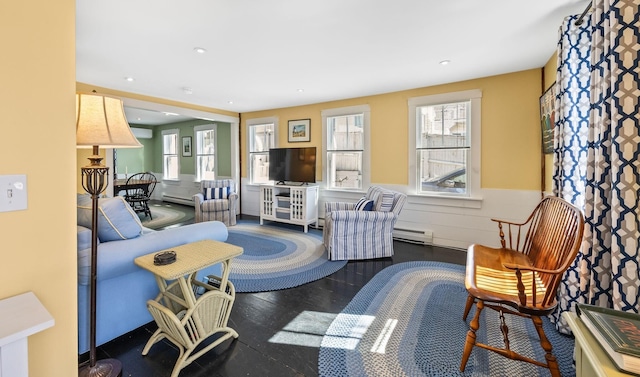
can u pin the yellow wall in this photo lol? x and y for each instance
(38, 245)
(511, 139)
(548, 80)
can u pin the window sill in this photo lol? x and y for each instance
(446, 201)
(360, 192)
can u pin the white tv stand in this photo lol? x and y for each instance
(289, 204)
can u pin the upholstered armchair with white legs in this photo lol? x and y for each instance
(363, 230)
(216, 201)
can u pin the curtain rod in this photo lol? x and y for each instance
(579, 20)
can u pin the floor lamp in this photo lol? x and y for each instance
(100, 122)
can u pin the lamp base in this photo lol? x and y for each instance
(103, 368)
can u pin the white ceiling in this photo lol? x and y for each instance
(260, 53)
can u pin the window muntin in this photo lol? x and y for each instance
(262, 137)
(170, 161)
(206, 167)
(345, 147)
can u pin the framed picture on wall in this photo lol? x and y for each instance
(186, 146)
(299, 130)
(548, 118)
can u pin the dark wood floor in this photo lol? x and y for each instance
(257, 317)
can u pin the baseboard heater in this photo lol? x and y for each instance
(177, 199)
(423, 237)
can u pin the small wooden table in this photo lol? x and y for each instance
(183, 318)
(591, 359)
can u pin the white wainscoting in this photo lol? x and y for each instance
(454, 223)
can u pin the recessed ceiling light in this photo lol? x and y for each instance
(187, 90)
(200, 50)
(445, 62)
(300, 90)
(230, 102)
(129, 79)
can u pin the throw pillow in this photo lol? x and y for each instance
(116, 218)
(364, 205)
(216, 193)
(386, 202)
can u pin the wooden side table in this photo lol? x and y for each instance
(591, 359)
(182, 318)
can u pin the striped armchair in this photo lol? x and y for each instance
(349, 233)
(216, 201)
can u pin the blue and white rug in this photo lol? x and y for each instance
(277, 258)
(407, 321)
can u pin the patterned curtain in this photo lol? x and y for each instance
(596, 153)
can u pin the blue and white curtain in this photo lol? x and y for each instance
(597, 153)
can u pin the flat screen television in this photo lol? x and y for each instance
(292, 165)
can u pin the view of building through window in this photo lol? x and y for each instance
(205, 152)
(442, 146)
(345, 146)
(170, 163)
(261, 139)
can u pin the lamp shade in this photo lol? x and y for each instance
(100, 121)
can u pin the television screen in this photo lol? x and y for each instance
(292, 165)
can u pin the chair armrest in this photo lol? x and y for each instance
(514, 233)
(198, 198)
(233, 198)
(522, 267)
(533, 283)
(338, 206)
(362, 216)
(508, 222)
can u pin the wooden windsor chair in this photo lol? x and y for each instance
(522, 277)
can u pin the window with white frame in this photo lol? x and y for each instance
(346, 147)
(262, 137)
(206, 166)
(445, 155)
(170, 158)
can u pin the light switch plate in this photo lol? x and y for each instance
(13, 192)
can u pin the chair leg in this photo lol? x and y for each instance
(467, 308)
(471, 335)
(552, 363)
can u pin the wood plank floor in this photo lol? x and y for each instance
(257, 317)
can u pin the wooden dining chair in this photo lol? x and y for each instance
(139, 188)
(522, 277)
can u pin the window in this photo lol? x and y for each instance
(446, 146)
(346, 146)
(206, 167)
(262, 137)
(170, 162)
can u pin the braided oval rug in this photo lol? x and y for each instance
(407, 321)
(277, 257)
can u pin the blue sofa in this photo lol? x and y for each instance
(122, 287)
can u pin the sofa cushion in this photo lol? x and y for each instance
(385, 203)
(216, 193)
(364, 204)
(116, 219)
(215, 205)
